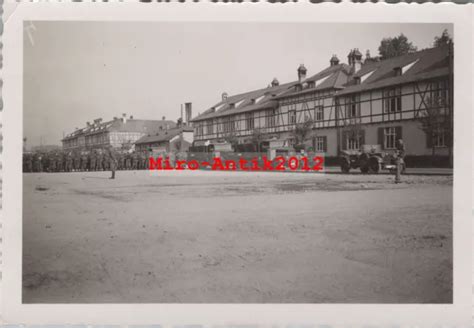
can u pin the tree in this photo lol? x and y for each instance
(442, 40)
(397, 46)
(232, 139)
(301, 132)
(256, 138)
(178, 144)
(436, 122)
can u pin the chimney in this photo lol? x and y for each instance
(355, 59)
(224, 96)
(188, 110)
(275, 82)
(124, 118)
(334, 60)
(301, 73)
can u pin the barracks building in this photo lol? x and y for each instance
(118, 133)
(382, 100)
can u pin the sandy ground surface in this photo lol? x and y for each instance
(229, 237)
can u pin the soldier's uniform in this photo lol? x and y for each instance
(28, 163)
(112, 162)
(128, 162)
(77, 162)
(100, 158)
(69, 163)
(52, 163)
(134, 161)
(39, 163)
(84, 162)
(400, 149)
(93, 161)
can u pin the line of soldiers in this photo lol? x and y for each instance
(95, 160)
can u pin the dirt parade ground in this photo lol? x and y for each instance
(227, 237)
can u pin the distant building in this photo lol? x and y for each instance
(119, 133)
(382, 99)
(45, 148)
(176, 139)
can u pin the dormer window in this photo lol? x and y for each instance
(405, 68)
(357, 79)
(311, 84)
(298, 87)
(231, 105)
(398, 71)
(239, 103)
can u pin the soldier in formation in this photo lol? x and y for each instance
(85, 161)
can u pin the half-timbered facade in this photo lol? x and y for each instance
(388, 100)
(362, 102)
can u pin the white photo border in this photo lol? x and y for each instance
(456, 314)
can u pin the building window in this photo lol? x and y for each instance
(270, 118)
(440, 138)
(200, 129)
(352, 106)
(392, 100)
(319, 113)
(353, 139)
(390, 137)
(292, 116)
(319, 144)
(210, 127)
(353, 142)
(249, 121)
(438, 93)
(229, 124)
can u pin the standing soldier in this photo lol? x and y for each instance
(77, 161)
(52, 162)
(143, 160)
(120, 161)
(59, 162)
(69, 162)
(128, 161)
(83, 161)
(134, 161)
(112, 161)
(28, 163)
(399, 160)
(93, 161)
(37, 167)
(100, 158)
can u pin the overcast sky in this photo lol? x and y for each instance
(75, 72)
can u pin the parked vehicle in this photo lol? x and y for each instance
(369, 159)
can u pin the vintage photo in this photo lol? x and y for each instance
(359, 117)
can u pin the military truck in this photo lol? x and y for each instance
(369, 159)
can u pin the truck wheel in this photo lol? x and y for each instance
(345, 166)
(374, 165)
(364, 167)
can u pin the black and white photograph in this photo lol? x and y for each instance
(237, 162)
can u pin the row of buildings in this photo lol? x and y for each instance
(345, 105)
(367, 101)
(128, 133)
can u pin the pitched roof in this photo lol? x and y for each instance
(421, 65)
(244, 102)
(117, 125)
(164, 135)
(332, 77)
